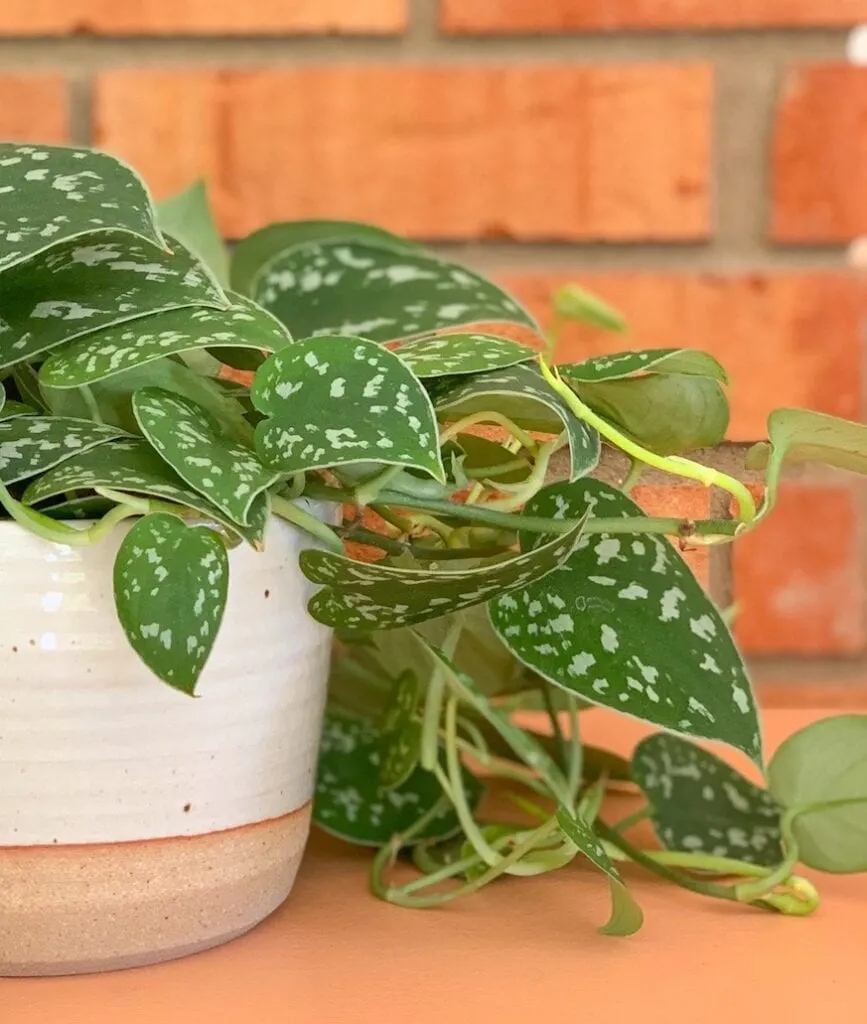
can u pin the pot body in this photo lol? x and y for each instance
(138, 824)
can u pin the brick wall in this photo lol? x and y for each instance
(699, 163)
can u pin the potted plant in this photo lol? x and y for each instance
(137, 476)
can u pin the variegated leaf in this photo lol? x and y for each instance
(520, 392)
(625, 624)
(366, 596)
(454, 354)
(191, 442)
(170, 587)
(51, 194)
(34, 444)
(80, 287)
(356, 288)
(134, 466)
(656, 360)
(333, 401)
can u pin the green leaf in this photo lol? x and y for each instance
(134, 466)
(355, 288)
(702, 805)
(188, 217)
(170, 587)
(332, 401)
(626, 916)
(400, 732)
(76, 289)
(78, 508)
(624, 624)
(667, 413)
(820, 775)
(26, 381)
(11, 409)
(365, 596)
(34, 444)
(483, 454)
(658, 360)
(191, 442)
(53, 194)
(572, 302)
(454, 354)
(521, 394)
(106, 353)
(350, 801)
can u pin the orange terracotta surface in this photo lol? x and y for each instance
(521, 951)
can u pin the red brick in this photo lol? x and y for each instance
(819, 156)
(798, 576)
(685, 502)
(787, 339)
(199, 17)
(525, 151)
(34, 108)
(532, 16)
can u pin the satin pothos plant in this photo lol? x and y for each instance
(367, 364)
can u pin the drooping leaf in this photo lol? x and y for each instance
(191, 442)
(34, 444)
(572, 302)
(94, 285)
(170, 587)
(188, 217)
(331, 401)
(365, 596)
(702, 805)
(350, 801)
(53, 194)
(356, 288)
(521, 394)
(685, 361)
(624, 623)
(626, 915)
(820, 772)
(455, 354)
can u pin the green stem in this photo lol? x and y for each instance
(521, 493)
(632, 477)
(57, 531)
(299, 517)
(433, 705)
(576, 749)
(554, 718)
(489, 417)
(366, 492)
(90, 402)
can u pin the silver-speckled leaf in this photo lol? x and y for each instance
(333, 401)
(400, 731)
(365, 596)
(170, 587)
(702, 805)
(125, 346)
(625, 624)
(50, 194)
(355, 288)
(134, 466)
(454, 354)
(34, 444)
(191, 442)
(658, 360)
(79, 287)
(521, 393)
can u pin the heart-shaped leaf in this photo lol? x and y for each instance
(624, 623)
(188, 217)
(368, 595)
(701, 804)
(191, 442)
(521, 394)
(352, 804)
(34, 444)
(170, 587)
(356, 288)
(52, 194)
(455, 354)
(820, 774)
(660, 360)
(332, 401)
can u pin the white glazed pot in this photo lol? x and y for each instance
(138, 824)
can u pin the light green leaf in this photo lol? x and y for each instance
(658, 360)
(34, 444)
(188, 217)
(170, 587)
(820, 775)
(572, 302)
(355, 288)
(454, 354)
(77, 288)
(191, 442)
(626, 916)
(368, 595)
(53, 194)
(521, 394)
(624, 623)
(332, 401)
(702, 805)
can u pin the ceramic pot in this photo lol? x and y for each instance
(138, 824)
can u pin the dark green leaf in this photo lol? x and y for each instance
(78, 508)
(34, 444)
(454, 354)
(482, 454)
(572, 302)
(658, 360)
(188, 217)
(11, 409)
(26, 381)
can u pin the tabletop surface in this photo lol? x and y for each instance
(523, 950)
